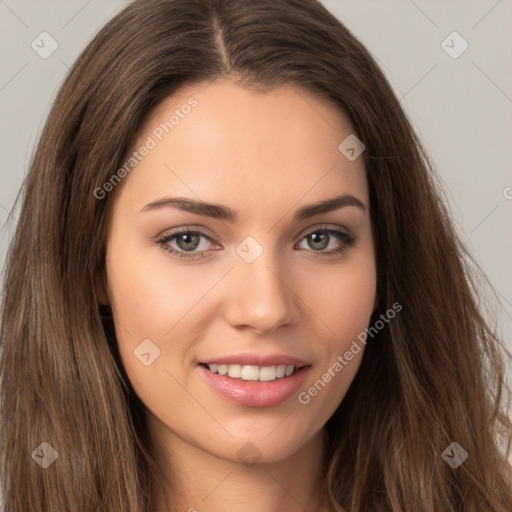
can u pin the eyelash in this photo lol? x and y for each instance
(347, 239)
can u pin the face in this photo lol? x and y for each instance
(257, 286)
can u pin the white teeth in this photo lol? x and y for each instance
(235, 371)
(253, 373)
(250, 373)
(268, 373)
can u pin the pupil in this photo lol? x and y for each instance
(322, 237)
(186, 239)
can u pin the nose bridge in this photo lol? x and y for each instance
(261, 294)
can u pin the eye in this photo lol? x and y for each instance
(184, 242)
(320, 239)
(187, 242)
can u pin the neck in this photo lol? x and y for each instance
(202, 481)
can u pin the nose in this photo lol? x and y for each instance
(261, 294)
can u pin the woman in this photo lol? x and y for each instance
(234, 284)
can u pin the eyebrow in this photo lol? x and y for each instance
(218, 211)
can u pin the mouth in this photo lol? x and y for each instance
(246, 383)
(252, 373)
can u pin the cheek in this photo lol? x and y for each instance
(351, 306)
(148, 296)
(345, 310)
(342, 299)
(343, 306)
(150, 308)
(146, 303)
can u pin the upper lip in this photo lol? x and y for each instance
(247, 359)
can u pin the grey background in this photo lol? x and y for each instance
(462, 108)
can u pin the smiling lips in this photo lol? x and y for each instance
(253, 373)
(253, 380)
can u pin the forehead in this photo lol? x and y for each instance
(224, 141)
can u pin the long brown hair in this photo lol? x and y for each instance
(432, 376)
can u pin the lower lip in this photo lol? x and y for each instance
(256, 393)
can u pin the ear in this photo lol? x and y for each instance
(100, 286)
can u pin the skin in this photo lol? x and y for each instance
(264, 155)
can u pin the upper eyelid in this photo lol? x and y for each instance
(198, 230)
(167, 238)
